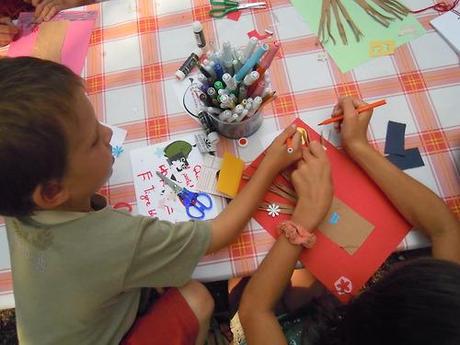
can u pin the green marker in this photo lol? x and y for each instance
(218, 85)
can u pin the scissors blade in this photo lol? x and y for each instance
(252, 5)
(174, 186)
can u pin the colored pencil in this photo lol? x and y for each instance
(290, 149)
(360, 109)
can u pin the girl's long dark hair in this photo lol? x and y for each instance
(417, 303)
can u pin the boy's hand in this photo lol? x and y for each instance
(354, 125)
(7, 31)
(277, 155)
(313, 184)
(47, 9)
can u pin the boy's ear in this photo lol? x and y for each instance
(50, 195)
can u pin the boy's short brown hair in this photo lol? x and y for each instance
(37, 102)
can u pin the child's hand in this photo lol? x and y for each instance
(277, 154)
(313, 184)
(47, 9)
(354, 125)
(7, 31)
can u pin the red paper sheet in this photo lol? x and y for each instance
(344, 274)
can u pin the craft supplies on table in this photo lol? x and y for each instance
(196, 204)
(179, 161)
(221, 8)
(233, 85)
(360, 109)
(354, 239)
(372, 33)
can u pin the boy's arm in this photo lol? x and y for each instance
(229, 223)
(418, 204)
(312, 181)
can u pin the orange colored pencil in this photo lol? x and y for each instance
(359, 110)
(290, 149)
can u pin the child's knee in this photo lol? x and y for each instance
(199, 299)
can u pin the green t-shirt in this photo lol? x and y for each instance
(77, 276)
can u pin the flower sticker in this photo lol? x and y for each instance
(273, 210)
(343, 286)
(117, 151)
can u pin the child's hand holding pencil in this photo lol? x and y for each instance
(354, 125)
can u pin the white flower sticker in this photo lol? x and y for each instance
(273, 210)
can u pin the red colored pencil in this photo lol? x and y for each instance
(360, 109)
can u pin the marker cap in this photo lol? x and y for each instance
(180, 75)
(197, 27)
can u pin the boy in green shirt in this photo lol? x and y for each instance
(78, 265)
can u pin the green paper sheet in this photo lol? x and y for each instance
(355, 53)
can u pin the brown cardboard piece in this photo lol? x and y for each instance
(50, 39)
(345, 227)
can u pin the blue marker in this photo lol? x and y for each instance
(251, 62)
(219, 71)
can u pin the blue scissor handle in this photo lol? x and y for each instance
(191, 200)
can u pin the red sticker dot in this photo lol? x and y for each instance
(242, 142)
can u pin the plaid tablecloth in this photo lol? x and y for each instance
(137, 46)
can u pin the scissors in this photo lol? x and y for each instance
(195, 203)
(222, 8)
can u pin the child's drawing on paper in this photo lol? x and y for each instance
(176, 154)
(181, 162)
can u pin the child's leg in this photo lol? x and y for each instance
(179, 317)
(202, 304)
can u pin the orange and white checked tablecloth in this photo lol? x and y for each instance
(137, 45)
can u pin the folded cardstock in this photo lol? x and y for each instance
(365, 204)
(345, 227)
(230, 175)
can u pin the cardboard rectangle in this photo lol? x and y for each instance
(230, 175)
(411, 159)
(345, 227)
(394, 143)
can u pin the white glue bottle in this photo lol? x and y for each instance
(199, 34)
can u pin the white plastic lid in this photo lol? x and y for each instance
(197, 27)
(180, 75)
(198, 52)
(213, 137)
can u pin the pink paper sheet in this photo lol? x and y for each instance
(75, 45)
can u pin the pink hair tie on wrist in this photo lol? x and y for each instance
(297, 234)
